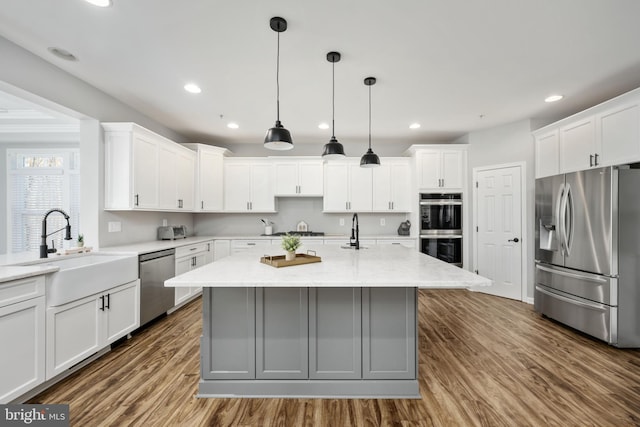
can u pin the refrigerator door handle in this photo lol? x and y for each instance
(567, 228)
(560, 217)
(589, 305)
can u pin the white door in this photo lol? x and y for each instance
(499, 233)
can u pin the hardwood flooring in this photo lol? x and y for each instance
(484, 361)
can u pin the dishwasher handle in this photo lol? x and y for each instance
(158, 254)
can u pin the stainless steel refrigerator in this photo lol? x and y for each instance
(588, 252)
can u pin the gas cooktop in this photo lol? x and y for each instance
(299, 233)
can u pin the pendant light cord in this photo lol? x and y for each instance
(369, 117)
(278, 81)
(333, 100)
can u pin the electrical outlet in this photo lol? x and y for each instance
(342, 222)
(382, 222)
(115, 226)
(164, 222)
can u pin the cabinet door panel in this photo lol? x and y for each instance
(577, 144)
(237, 187)
(388, 333)
(22, 360)
(185, 189)
(167, 178)
(262, 199)
(145, 172)
(620, 135)
(548, 154)
(336, 176)
(123, 314)
(210, 181)
(73, 333)
(335, 332)
(429, 170)
(401, 188)
(310, 178)
(360, 188)
(286, 179)
(281, 333)
(229, 326)
(382, 188)
(452, 172)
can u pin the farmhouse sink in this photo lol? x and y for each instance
(86, 275)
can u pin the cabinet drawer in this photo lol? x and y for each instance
(21, 290)
(183, 251)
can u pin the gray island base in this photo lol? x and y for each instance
(309, 342)
(343, 327)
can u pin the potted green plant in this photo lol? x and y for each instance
(290, 244)
(80, 240)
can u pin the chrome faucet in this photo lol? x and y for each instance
(44, 250)
(354, 240)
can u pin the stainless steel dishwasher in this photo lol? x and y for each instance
(155, 268)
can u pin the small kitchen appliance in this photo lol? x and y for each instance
(172, 232)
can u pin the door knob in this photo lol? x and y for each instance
(515, 239)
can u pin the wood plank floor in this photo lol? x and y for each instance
(484, 361)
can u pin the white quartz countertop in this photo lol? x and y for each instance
(10, 273)
(375, 266)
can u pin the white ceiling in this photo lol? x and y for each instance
(455, 66)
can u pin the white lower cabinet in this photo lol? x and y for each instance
(189, 258)
(81, 328)
(22, 334)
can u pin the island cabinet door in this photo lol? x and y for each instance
(389, 333)
(282, 342)
(335, 333)
(228, 343)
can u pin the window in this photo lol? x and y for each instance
(39, 180)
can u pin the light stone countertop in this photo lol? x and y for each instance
(376, 266)
(10, 273)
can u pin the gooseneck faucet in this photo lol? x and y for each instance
(354, 240)
(44, 250)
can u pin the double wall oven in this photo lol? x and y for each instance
(441, 226)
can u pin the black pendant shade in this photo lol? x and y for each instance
(278, 138)
(333, 149)
(370, 159)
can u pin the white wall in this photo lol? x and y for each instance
(502, 145)
(28, 76)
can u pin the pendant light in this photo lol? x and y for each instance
(370, 159)
(278, 138)
(333, 149)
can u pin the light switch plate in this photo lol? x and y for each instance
(115, 226)
(342, 222)
(382, 222)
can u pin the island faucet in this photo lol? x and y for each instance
(44, 250)
(354, 240)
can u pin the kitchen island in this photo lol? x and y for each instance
(343, 327)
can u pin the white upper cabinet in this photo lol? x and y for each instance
(618, 130)
(177, 166)
(440, 168)
(605, 135)
(209, 177)
(145, 171)
(298, 177)
(248, 185)
(578, 147)
(347, 187)
(548, 153)
(392, 186)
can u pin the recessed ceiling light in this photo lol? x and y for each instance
(100, 3)
(63, 54)
(232, 125)
(553, 98)
(323, 126)
(192, 88)
(414, 126)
